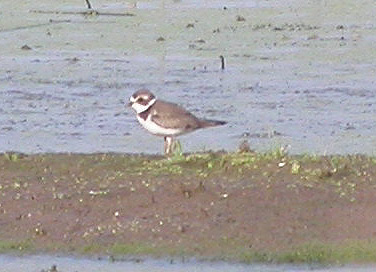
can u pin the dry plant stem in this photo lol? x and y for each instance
(88, 4)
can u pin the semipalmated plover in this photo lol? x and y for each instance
(166, 119)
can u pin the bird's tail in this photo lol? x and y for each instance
(211, 123)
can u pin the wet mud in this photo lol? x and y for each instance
(249, 207)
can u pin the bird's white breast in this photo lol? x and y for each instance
(156, 129)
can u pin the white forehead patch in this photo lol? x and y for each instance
(144, 97)
(132, 99)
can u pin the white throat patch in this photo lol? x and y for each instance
(139, 107)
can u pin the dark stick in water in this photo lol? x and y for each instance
(222, 62)
(88, 4)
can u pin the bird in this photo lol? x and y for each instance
(166, 119)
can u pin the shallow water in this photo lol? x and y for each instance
(40, 263)
(297, 73)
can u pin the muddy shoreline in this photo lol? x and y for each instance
(298, 74)
(267, 207)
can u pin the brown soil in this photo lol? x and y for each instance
(219, 205)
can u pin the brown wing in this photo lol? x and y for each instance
(173, 116)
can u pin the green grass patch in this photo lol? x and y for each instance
(133, 249)
(310, 253)
(16, 246)
(315, 252)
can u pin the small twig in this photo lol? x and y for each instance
(222, 62)
(88, 4)
(35, 26)
(82, 13)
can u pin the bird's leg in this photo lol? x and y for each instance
(168, 144)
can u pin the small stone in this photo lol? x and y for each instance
(240, 18)
(26, 47)
(224, 196)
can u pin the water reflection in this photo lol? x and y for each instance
(40, 263)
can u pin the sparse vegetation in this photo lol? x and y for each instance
(8, 246)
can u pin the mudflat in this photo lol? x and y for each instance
(299, 73)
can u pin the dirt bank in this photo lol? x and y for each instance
(238, 206)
